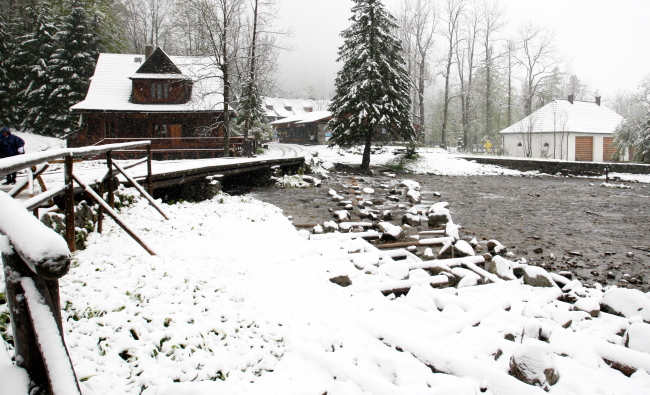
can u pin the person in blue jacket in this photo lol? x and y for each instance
(10, 145)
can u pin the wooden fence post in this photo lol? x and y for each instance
(69, 205)
(28, 354)
(149, 177)
(109, 182)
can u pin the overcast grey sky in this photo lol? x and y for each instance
(608, 41)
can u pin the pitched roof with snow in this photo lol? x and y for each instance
(283, 108)
(304, 118)
(561, 115)
(111, 86)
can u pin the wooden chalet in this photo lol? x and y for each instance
(307, 128)
(174, 101)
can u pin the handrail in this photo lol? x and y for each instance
(19, 162)
(49, 256)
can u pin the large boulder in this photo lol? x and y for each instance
(537, 277)
(626, 302)
(390, 232)
(533, 363)
(439, 220)
(411, 219)
(501, 267)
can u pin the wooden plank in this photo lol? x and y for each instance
(141, 190)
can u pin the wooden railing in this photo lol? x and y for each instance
(35, 257)
(182, 147)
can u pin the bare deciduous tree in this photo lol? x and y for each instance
(451, 15)
(539, 59)
(219, 26)
(468, 34)
(493, 22)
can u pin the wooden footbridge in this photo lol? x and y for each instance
(35, 257)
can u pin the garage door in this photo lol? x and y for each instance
(608, 149)
(584, 149)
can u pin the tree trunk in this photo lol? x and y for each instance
(365, 161)
(445, 111)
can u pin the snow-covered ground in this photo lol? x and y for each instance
(238, 302)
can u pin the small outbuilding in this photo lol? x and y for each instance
(307, 128)
(565, 129)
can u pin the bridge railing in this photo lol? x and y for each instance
(35, 257)
(36, 164)
(181, 147)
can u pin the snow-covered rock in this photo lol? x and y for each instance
(588, 305)
(414, 196)
(342, 215)
(417, 297)
(537, 277)
(501, 267)
(533, 362)
(411, 219)
(390, 232)
(439, 220)
(330, 226)
(397, 270)
(462, 248)
(637, 337)
(626, 302)
(410, 184)
(451, 230)
(438, 207)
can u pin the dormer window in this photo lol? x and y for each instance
(159, 90)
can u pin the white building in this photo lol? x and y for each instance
(564, 129)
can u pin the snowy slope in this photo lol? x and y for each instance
(237, 302)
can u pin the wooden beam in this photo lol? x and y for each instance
(141, 190)
(109, 210)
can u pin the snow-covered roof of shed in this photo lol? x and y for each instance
(561, 115)
(111, 87)
(303, 118)
(159, 77)
(298, 106)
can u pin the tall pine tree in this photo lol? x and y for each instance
(6, 103)
(31, 60)
(72, 65)
(371, 102)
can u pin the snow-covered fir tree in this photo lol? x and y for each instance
(72, 65)
(5, 53)
(371, 101)
(250, 113)
(32, 59)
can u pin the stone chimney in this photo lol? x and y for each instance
(148, 50)
(598, 100)
(571, 98)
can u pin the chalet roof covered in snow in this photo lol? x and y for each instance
(111, 85)
(303, 118)
(563, 116)
(278, 107)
